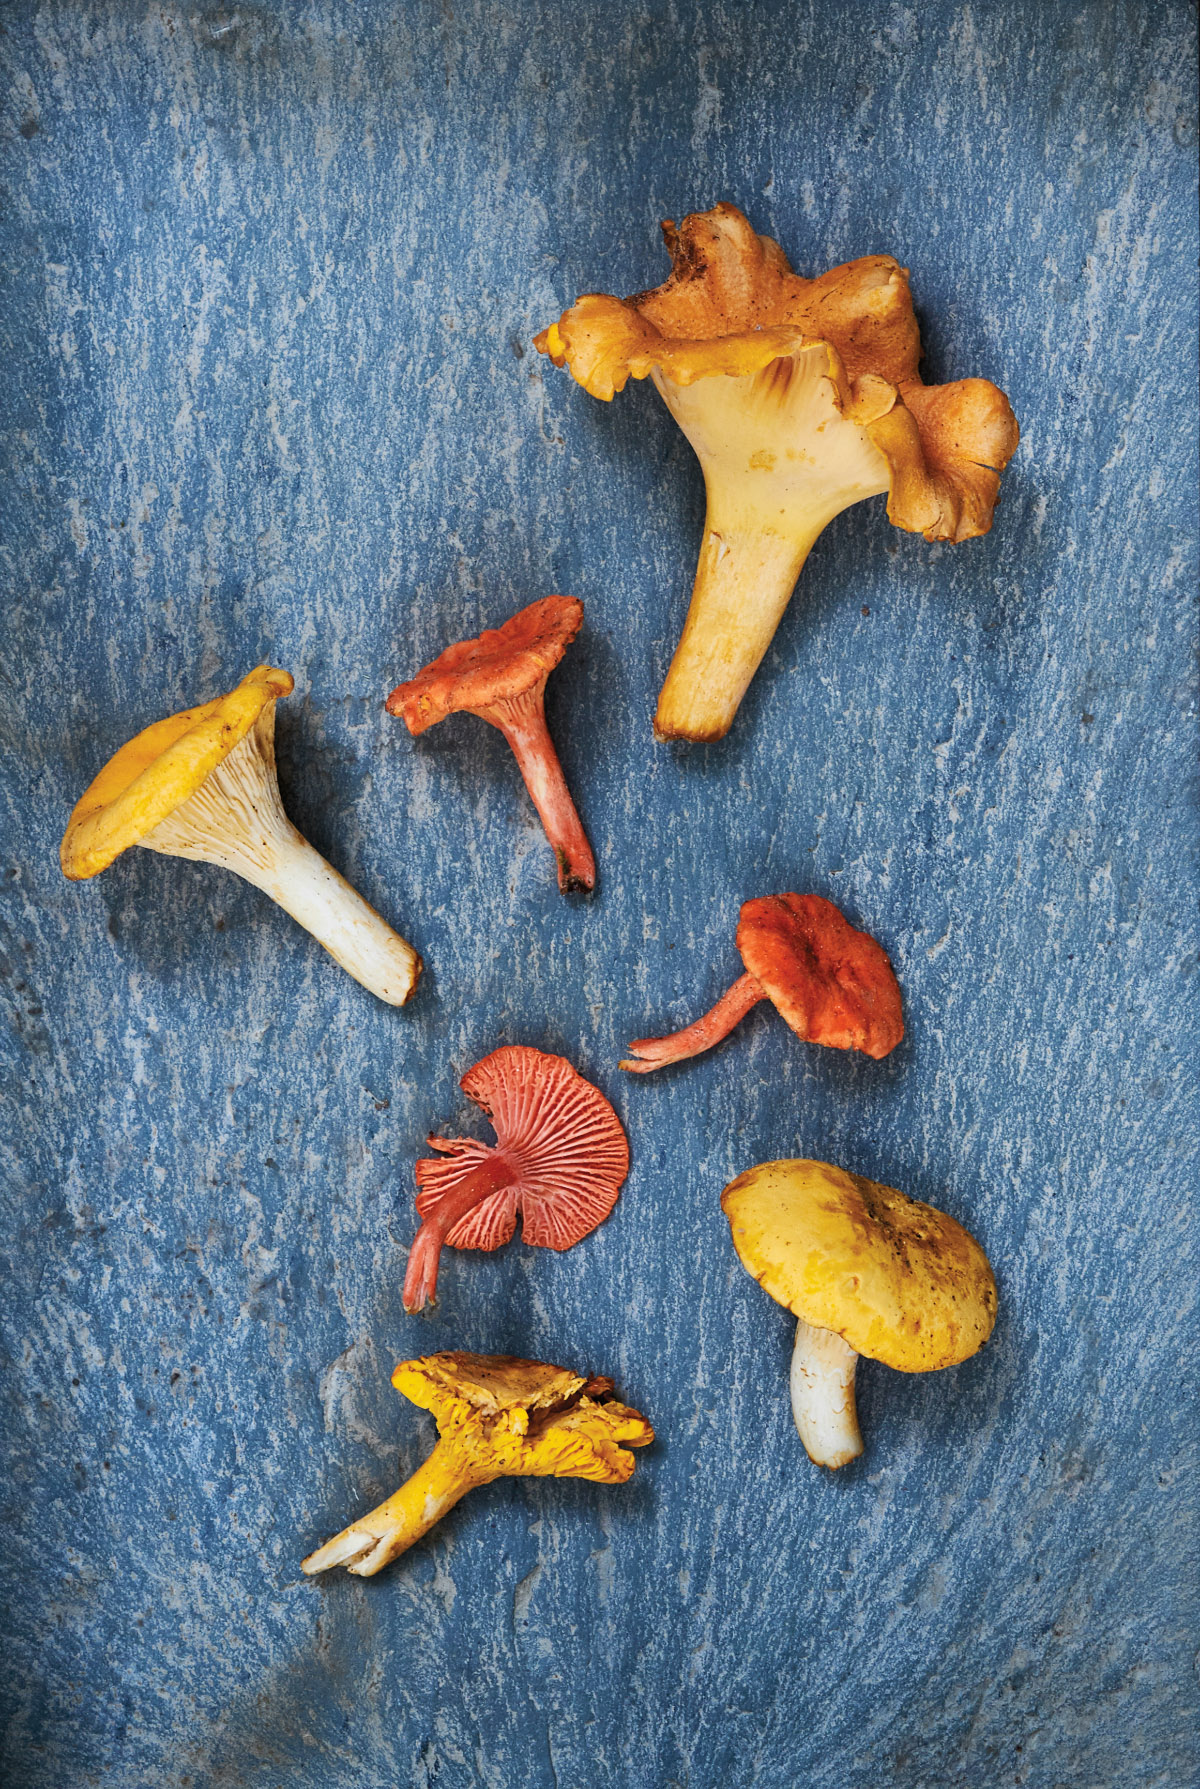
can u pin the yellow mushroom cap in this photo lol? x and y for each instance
(900, 1281)
(159, 769)
(525, 1418)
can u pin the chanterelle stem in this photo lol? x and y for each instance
(236, 819)
(744, 582)
(779, 461)
(389, 1530)
(655, 1052)
(522, 721)
(822, 1383)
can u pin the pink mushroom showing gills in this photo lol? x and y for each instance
(559, 1159)
(501, 678)
(833, 984)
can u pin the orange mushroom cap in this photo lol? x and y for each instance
(732, 304)
(557, 1134)
(832, 984)
(500, 677)
(500, 664)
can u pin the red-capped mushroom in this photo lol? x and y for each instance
(559, 1159)
(501, 677)
(832, 984)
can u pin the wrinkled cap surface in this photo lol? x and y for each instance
(900, 1281)
(159, 769)
(732, 305)
(525, 1418)
(557, 1133)
(500, 664)
(832, 984)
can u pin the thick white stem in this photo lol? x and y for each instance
(236, 819)
(822, 1384)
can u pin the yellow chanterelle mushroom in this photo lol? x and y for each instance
(866, 1270)
(497, 1417)
(202, 784)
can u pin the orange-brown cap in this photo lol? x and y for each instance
(498, 665)
(832, 984)
(732, 304)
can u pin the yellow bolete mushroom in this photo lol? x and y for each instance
(800, 398)
(497, 1417)
(202, 784)
(866, 1270)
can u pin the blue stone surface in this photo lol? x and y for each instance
(270, 279)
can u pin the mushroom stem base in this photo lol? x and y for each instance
(822, 1385)
(377, 1538)
(421, 1274)
(744, 582)
(522, 720)
(655, 1052)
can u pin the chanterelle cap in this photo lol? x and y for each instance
(494, 1385)
(900, 1281)
(159, 769)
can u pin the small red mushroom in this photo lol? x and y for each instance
(501, 677)
(559, 1158)
(832, 984)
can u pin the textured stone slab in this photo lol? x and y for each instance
(270, 279)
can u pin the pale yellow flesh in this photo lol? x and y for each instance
(780, 460)
(236, 819)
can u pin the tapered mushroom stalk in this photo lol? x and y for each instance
(833, 985)
(559, 1159)
(501, 678)
(800, 398)
(867, 1271)
(202, 785)
(497, 1418)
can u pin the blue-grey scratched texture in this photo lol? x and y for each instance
(271, 275)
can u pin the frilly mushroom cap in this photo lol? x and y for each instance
(559, 1136)
(528, 1418)
(900, 1281)
(500, 664)
(159, 769)
(732, 305)
(832, 984)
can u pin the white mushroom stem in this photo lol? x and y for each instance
(822, 1382)
(236, 819)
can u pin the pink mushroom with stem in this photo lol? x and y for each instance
(833, 984)
(559, 1159)
(501, 677)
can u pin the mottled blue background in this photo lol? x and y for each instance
(270, 275)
